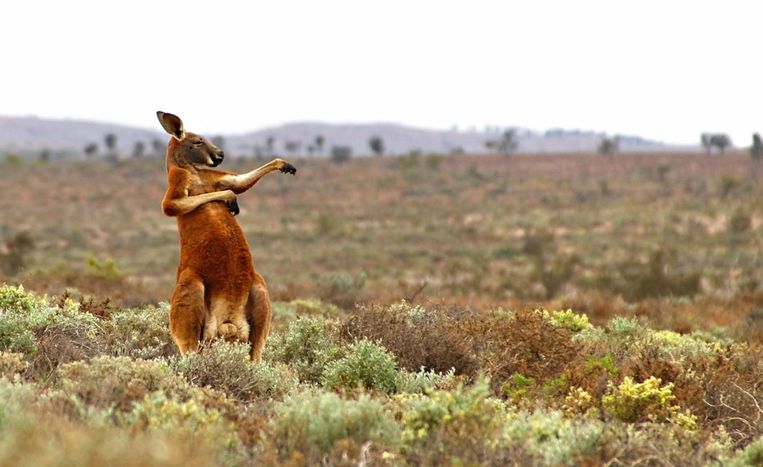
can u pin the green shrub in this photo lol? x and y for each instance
(313, 421)
(750, 456)
(15, 337)
(158, 413)
(424, 380)
(568, 319)
(365, 365)
(308, 345)
(463, 423)
(141, 333)
(550, 437)
(11, 364)
(648, 401)
(16, 400)
(517, 386)
(227, 367)
(48, 335)
(118, 382)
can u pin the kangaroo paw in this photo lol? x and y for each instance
(288, 169)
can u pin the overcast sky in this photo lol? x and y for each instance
(665, 70)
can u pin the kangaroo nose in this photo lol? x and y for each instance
(221, 155)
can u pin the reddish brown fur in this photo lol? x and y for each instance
(217, 292)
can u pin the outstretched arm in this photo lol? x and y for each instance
(177, 202)
(241, 183)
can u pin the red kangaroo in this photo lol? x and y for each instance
(217, 291)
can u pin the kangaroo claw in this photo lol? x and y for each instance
(233, 207)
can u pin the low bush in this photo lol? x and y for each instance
(633, 402)
(227, 367)
(308, 345)
(419, 338)
(463, 422)
(11, 364)
(312, 422)
(118, 382)
(140, 333)
(48, 335)
(366, 365)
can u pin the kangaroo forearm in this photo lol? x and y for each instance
(241, 183)
(179, 206)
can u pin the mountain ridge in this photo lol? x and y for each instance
(29, 134)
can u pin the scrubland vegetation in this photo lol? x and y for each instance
(544, 310)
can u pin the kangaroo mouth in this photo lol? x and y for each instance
(216, 160)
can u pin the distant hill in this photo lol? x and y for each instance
(30, 135)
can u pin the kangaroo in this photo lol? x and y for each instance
(217, 291)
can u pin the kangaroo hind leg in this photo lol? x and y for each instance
(259, 314)
(187, 311)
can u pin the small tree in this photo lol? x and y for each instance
(157, 146)
(340, 154)
(507, 144)
(91, 149)
(44, 156)
(319, 140)
(756, 150)
(139, 149)
(705, 140)
(609, 146)
(270, 145)
(720, 141)
(377, 145)
(292, 147)
(111, 143)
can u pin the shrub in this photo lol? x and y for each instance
(365, 365)
(118, 382)
(521, 343)
(158, 413)
(11, 364)
(552, 439)
(648, 401)
(424, 380)
(54, 442)
(430, 339)
(568, 319)
(751, 456)
(227, 366)
(517, 386)
(342, 289)
(313, 421)
(48, 335)
(16, 398)
(308, 345)
(141, 333)
(464, 422)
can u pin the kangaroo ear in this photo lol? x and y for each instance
(171, 124)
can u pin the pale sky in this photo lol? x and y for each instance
(664, 70)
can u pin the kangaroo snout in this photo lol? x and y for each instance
(217, 158)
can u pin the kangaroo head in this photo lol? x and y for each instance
(186, 149)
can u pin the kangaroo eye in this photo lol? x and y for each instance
(197, 143)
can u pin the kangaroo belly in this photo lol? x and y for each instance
(213, 245)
